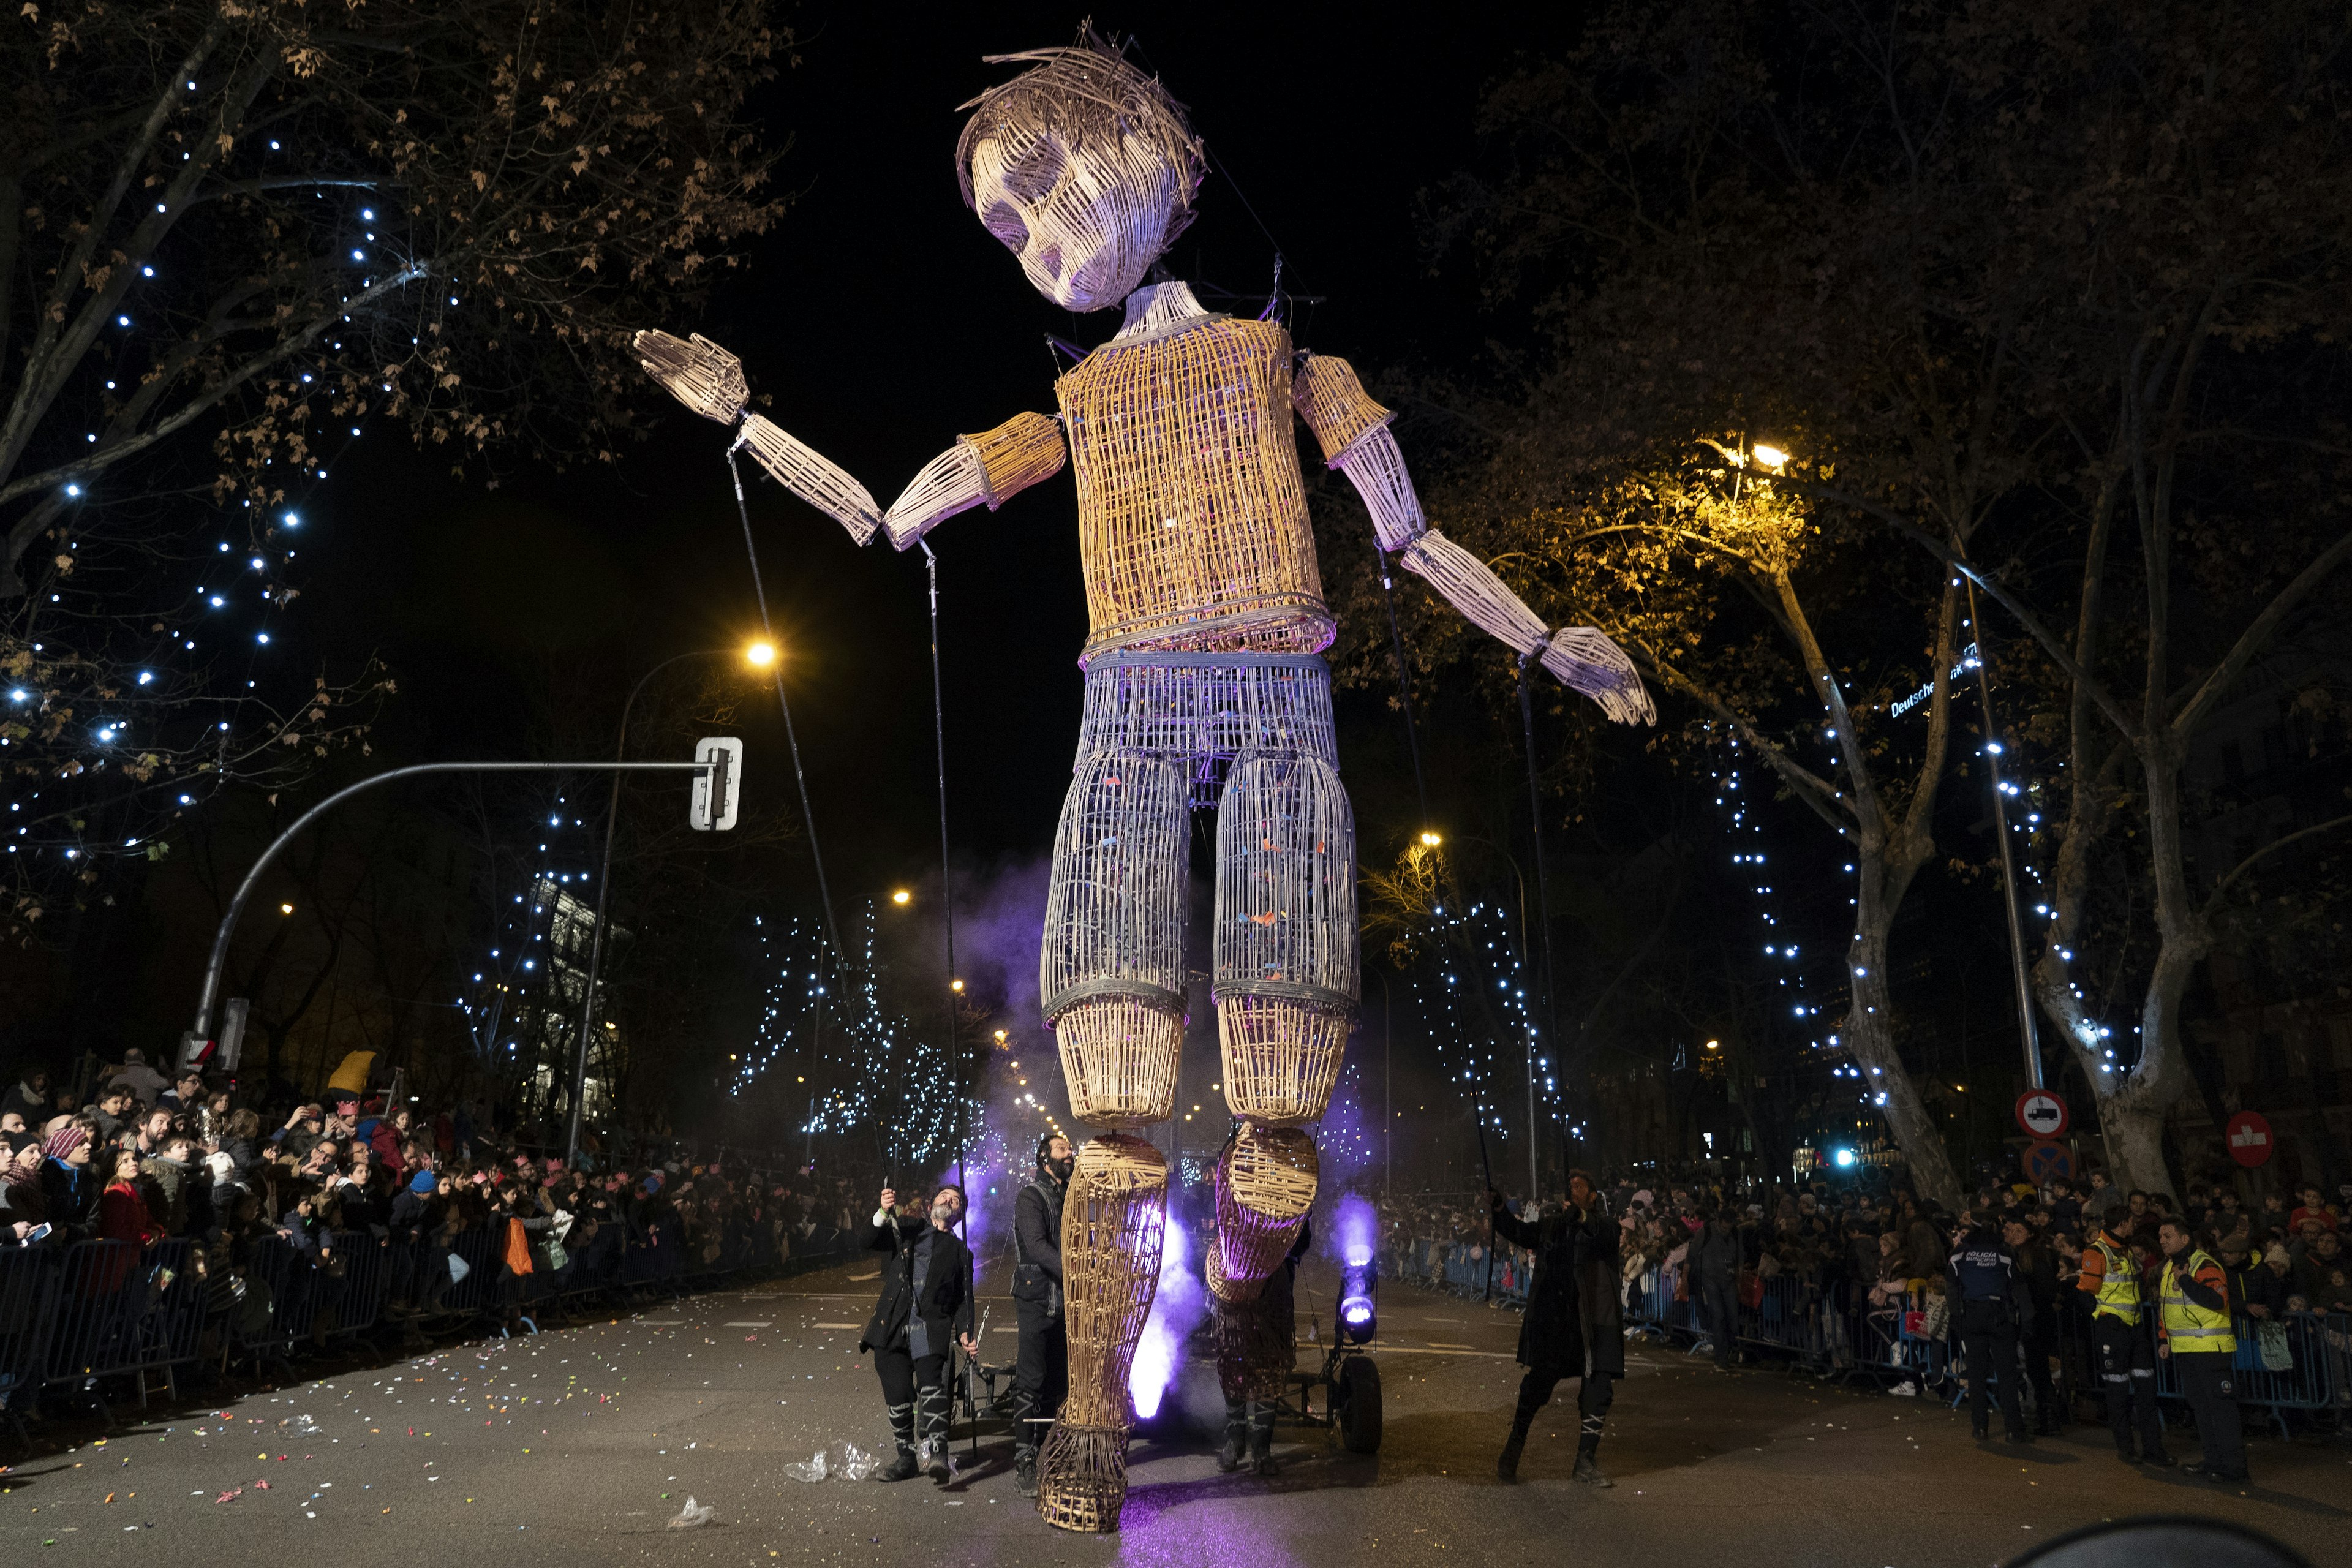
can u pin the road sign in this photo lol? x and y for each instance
(2042, 1113)
(2045, 1162)
(723, 784)
(2248, 1137)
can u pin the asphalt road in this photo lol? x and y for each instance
(579, 1446)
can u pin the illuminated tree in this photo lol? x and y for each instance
(233, 236)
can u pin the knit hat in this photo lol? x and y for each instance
(421, 1183)
(62, 1143)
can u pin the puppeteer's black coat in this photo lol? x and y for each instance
(945, 1308)
(1575, 1323)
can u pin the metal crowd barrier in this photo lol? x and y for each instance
(74, 1317)
(2318, 1375)
(1835, 1330)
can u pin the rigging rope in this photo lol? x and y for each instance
(946, 896)
(1543, 911)
(1421, 792)
(768, 630)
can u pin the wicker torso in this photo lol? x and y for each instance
(1192, 520)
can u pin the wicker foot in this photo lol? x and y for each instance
(1082, 1477)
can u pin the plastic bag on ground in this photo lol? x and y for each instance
(836, 1461)
(692, 1514)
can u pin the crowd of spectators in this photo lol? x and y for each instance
(1879, 1252)
(152, 1158)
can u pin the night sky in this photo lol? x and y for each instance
(884, 320)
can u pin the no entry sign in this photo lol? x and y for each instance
(2042, 1113)
(2248, 1137)
(2045, 1162)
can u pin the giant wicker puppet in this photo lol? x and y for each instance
(1205, 688)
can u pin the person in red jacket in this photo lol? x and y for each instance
(123, 1213)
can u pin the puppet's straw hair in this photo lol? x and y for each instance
(1084, 93)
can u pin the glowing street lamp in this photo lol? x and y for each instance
(902, 898)
(758, 654)
(1431, 840)
(1771, 457)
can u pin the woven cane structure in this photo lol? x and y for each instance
(1110, 972)
(696, 372)
(1203, 709)
(1375, 467)
(1192, 523)
(813, 478)
(1285, 945)
(1335, 404)
(1471, 588)
(1083, 167)
(1112, 1219)
(987, 469)
(1266, 1182)
(1585, 659)
(1026, 449)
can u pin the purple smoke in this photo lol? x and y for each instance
(1355, 1229)
(1176, 1311)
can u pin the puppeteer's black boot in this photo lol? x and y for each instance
(1229, 1458)
(1507, 1466)
(1261, 1437)
(906, 1466)
(1588, 1448)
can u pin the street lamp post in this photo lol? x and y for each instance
(760, 655)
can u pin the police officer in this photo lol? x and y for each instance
(2120, 1337)
(1993, 1303)
(1041, 1375)
(2195, 1337)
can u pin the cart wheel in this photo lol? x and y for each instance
(1360, 1404)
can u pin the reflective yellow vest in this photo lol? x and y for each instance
(2118, 1294)
(2188, 1327)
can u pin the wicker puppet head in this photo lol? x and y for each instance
(1084, 168)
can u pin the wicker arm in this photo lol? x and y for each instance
(1353, 432)
(987, 469)
(708, 380)
(1581, 656)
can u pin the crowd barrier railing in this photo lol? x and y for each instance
(1835, 1330)
(2317, 1348)
(79, 1318)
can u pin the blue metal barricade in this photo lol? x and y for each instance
(28, 1293)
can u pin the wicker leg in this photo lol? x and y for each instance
(1265, 1182)
(1111, 1221)
(1109, 968)
(1286, 938)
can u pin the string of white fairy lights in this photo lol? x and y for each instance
(876, 1070)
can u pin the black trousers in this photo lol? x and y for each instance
(2206, 1380)
(2126, 1358)
(1041, 1374)
(906, 1381)
(1719, 1300)
(1989, 1339)
(1596, 1392)
(2040, 1344)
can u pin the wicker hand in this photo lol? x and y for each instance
(1585, 660)
(709, 380)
